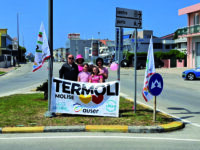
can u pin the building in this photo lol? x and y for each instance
(163, 44)
(7, 55)
(84, 46)
(177, 43)
(60, 54)
(192, 33)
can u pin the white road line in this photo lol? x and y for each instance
(183, 120)
(101, 137)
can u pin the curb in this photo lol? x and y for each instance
(3, 74)
(172, 126)
(96, 128)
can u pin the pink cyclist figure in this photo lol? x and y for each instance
(79, 61)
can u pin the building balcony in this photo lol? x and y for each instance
(189, 31)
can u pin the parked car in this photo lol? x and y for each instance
(191, 74)
(141, 62)
(106, 61)
(124, 63)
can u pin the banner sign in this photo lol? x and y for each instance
(97, 99)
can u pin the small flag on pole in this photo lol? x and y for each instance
(42, 49)
(150, 70)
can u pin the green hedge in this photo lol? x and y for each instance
(159, 55)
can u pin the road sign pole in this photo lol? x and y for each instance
(135, 65)
(154, 110)
(119, 49)
(50, 64)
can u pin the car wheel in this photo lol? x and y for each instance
(124, 63)
(190, 76)
(141, 67)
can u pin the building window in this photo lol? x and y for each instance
(196, 19)
(157, 45)
(179, 45)
(3, 42)
(167, 46)
(147, 36)
(173, 46)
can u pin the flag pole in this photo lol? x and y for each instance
(50, 63)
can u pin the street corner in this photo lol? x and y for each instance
(22, 129)
(176, 125)
(106, 128)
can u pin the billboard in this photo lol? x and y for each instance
(74, 36)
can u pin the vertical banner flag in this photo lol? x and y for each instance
(150, 70)
(80, 98)
(42, 49)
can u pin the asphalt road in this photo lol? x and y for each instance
(179, 98)
(23, 79)
(97, 141)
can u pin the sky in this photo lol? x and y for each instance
(87, 17)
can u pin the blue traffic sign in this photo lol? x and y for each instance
(156, 84)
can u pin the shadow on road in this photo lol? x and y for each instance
(186, 111)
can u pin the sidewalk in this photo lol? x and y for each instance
(7, 69)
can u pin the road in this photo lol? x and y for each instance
(23, 79)
(179, 98)
(97, 141)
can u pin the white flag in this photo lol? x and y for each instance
(150, 70)
(42, 49)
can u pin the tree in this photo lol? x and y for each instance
(22, 51)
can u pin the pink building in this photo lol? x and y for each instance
(192, 32)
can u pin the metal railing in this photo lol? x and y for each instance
(189, 30)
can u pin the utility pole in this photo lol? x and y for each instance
(135, 65)
(18, 37)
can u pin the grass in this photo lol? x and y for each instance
(29, 109)
(1, 72)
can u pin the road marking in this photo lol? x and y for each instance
(101, 137)
(183, 120)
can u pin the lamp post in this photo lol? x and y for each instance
(18, 36)
(99, 44)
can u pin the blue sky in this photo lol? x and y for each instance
(87, 17)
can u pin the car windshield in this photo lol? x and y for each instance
(198, 68)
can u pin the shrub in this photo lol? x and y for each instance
(44, 87)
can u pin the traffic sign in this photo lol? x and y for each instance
(155, 84)
(128, 23)
(128, 13)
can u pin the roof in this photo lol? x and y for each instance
(169, 36)
(189, 9)
(103, 41)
